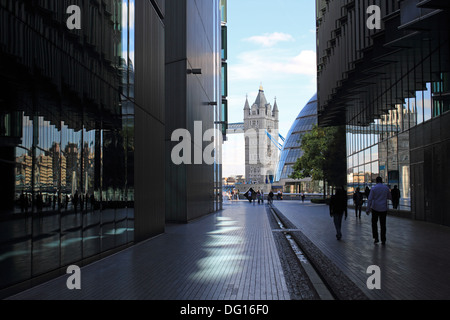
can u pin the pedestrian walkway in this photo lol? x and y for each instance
(229, 255)
(235, 255)
(414, 263)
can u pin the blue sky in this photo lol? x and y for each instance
(272, 43)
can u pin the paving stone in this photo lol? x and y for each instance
(414, 263)
(229, 255)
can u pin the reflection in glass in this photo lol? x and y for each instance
(67, 141)
(427, 103)
(387, 152)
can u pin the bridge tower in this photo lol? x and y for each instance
(260, 125)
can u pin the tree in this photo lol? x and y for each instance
(324, 156)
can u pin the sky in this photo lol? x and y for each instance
(273, 44)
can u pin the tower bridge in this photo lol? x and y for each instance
(238, 128)
(262, 139)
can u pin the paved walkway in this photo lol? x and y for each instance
(235, 254)
(230, 255)
(414, 263)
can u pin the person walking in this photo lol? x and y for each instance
(395, 193)
(39, 202)
(75, 200)
(377, 204)
(23, 202)
(338, 207)
(367, 192)
(358, 200)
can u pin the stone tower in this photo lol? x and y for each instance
(261, 154)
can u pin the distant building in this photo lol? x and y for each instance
(240, 179)
(292, 151)
(261, 153)
(231, 180)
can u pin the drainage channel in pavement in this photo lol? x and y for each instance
(316, 280)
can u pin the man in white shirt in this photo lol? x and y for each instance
(378, 205)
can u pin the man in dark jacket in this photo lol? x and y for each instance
(358, 200)
(395, 197)
(378, 205)
(270, 197)
(338, 207)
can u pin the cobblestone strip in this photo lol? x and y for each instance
(338, 283)
(299, 285)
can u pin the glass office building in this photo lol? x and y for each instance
(222, 114)
(84, 121)
(291, 151)
(389, 84)
(382, 149)
(67, 135)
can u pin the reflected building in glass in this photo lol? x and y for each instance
(82, 132)
(67, 135)
(390, 87)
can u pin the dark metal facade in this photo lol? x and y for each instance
(364, 73)
(193, 42)
(77, 108)
(389, 86)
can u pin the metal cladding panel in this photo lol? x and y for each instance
(149, 122)
(160, 6)
(191, 43)
(150, 58)
(201, 34)
(175, 35)
(149, 164)
(430, 186)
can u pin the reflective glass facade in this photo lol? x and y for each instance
(382, 149)
(291, 151)
(390, 87)
(66, 134)
(221, 118)
(86, 117)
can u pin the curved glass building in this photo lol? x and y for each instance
(291, 151)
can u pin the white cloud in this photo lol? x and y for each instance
(287, 71)
(304, 63)
(125, 15)
(270, 63)
(270, 39)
